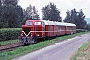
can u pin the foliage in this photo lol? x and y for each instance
(9, 33)
(50, 12)
(76, 17)
(11, 14)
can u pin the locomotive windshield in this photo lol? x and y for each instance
(37, 23)
(28, 23)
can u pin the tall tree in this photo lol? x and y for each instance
(0, 3)
(35, 12)
(81, 22)
(68, 17)
(50, 12)
(1, 22)
(76, 17)
(12, 13)
(31, 13)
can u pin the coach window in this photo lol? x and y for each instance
(37, 23)
(48, 27)
(59, 27)
(28, 23)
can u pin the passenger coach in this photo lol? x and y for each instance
(35, 29)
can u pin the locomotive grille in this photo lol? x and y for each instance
(27, 30)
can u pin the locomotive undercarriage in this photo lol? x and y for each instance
(30, 40)
(26, 40)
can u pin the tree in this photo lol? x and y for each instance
(81, 22)
(31, 13)
(68, 17)
(1, 22)
(35, 12)
(0, 3)
(11, 14)
(50, 12)
(76, 17)
(19, 16)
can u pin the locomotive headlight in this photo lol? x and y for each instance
(37, 35)
(23, 31)
(21, 34)
(31, 35)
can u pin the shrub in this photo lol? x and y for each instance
(9, 33)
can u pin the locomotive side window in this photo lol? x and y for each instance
(28, 23)
(37, 23)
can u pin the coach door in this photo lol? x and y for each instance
(43, 29)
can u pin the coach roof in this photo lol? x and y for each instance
(47, 22)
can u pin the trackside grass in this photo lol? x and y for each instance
(8, 42)
(83, 53)
(27, 49)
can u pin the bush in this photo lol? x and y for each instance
(9, 33)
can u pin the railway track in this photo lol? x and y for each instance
(9, 47)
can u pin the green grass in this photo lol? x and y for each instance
(26, 49)
(79, 53)
(8, 42)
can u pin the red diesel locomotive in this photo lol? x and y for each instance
(35, 29)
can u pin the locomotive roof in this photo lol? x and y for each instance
(47, 22)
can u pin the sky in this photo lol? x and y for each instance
(62, 5)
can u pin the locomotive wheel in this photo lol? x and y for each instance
(71, 33)
(35, 40)
(48, 38)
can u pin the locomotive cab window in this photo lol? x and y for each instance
(28, 23)
(37, 23)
